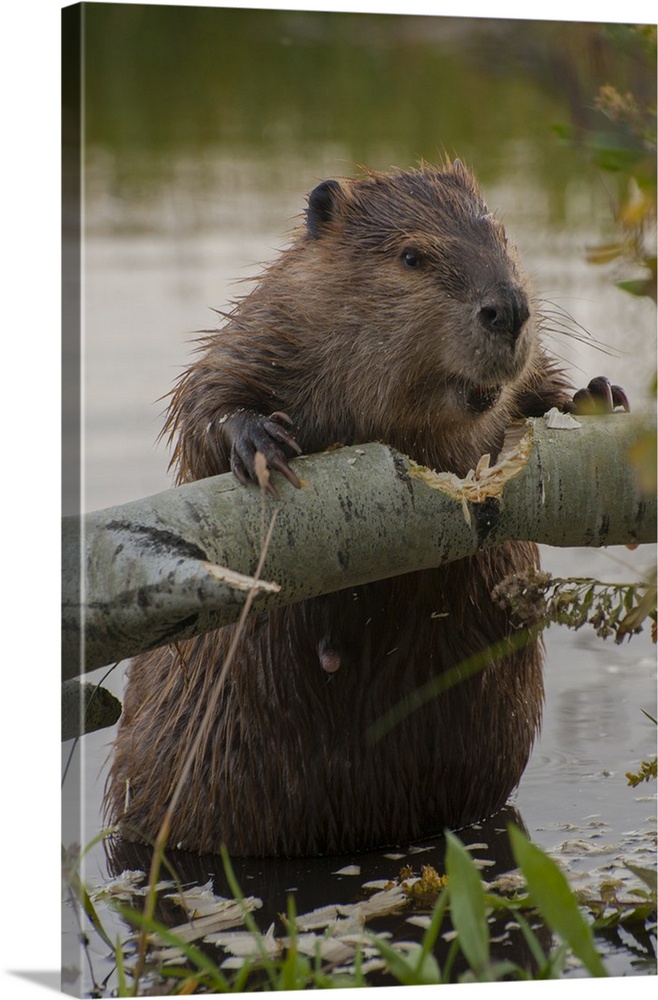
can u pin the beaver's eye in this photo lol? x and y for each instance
(411, 258)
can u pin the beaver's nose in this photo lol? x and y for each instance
(503, 310)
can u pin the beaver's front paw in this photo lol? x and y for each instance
(599, 397)
(251, 432)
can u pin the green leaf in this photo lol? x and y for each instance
(550, 893)
(646, 875)
(532, 942)
(612, 151)
(639, 286)
(78, 888)
(604, 253)
(405, 968)
(467, 904)
(432, 932)
(564, 132)
(123, 989)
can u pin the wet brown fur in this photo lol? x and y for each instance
(354, 346)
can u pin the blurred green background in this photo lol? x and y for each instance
(162, 83)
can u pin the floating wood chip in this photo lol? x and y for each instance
(557, 420)
(244, 947)
(200, 927)
(208, 913)
(354, 915)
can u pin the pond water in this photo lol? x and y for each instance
(182, 207)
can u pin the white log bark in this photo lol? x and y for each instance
(150, 572)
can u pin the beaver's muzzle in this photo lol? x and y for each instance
(504, 310)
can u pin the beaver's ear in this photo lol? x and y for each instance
(322, 203)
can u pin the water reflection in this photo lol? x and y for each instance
(343, 881)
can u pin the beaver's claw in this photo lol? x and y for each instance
(599, 397)
(251, 432)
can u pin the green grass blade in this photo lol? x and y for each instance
(467, 904)
(123, 989)
(548, 966)
(404, 967)
(432, 932)
(251, 925)
(550, 893)
(193, 954)
(646, 875)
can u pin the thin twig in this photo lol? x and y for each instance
(209, 714)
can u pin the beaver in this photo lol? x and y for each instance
(399, 312)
